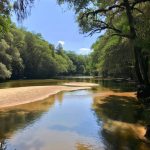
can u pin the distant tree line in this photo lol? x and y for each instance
(122, 51)
(27, 55)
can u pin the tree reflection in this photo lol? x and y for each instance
(3, 145)
(21, 116)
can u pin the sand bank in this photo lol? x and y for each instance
(80, 84)
(23, 95)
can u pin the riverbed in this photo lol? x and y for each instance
(104, 118)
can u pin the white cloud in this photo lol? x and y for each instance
(61, 42)
(84, 51)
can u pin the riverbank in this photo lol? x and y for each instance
(122, 113)
(23, 95)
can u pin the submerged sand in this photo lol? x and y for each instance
(81, 84)
(23, 95)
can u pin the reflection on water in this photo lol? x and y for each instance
(21, 116)
(103, 84)
(20, 83)
(63, 122)
(79, 120)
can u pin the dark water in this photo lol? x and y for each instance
(75, 121)
(20, 83)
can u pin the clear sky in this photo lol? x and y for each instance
(57, 24)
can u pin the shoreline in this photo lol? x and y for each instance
(10, 97)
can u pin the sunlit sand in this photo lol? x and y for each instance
(22, 95)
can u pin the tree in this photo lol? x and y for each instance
(79, 63)
(59, 49)
(4, 16)
(112, 57)
(95, 16)
(5, 60)
(4, 72)
(14, 39)
(65, 64)
(22, 8)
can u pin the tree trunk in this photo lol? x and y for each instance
(140, 62)
(141, 66)
(137, 67)
(147, 134)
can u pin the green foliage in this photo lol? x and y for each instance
(4, 72)
(94, 15)
(4, 25)
(4, 16)
(80, 64)
(143, 28)
(112, 57)
(121, 18)
(27, 55)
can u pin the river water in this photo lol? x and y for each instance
(78, 120)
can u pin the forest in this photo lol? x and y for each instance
(113, 55)
(27, 55)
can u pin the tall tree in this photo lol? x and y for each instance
(95, 16)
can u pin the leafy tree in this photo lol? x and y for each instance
(112, 57)
(14, 39)
(4, 16)
(59, 49)
(95, 16)
(65, 64)
(35, 54)
(5, 58)
(4, 72)
(79, 62)
(26, 54)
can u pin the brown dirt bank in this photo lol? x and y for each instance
(112, 93)
(23, 95)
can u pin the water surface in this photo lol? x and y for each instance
(76, 120)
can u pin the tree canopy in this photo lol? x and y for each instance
(123, 47)
(119, 18)
(25, 54)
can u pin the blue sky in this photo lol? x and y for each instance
(57, 25)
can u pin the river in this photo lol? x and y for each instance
(78, 120)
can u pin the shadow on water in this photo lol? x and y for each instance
(123, 119)
(21, 83)
(119, 108)
(115, 85)
(122, 108)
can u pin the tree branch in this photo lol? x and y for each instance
(121, 35)
(138, 10)
(103, 10)
(138, 2)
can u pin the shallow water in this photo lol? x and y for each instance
(79, 120)
(117, 86)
